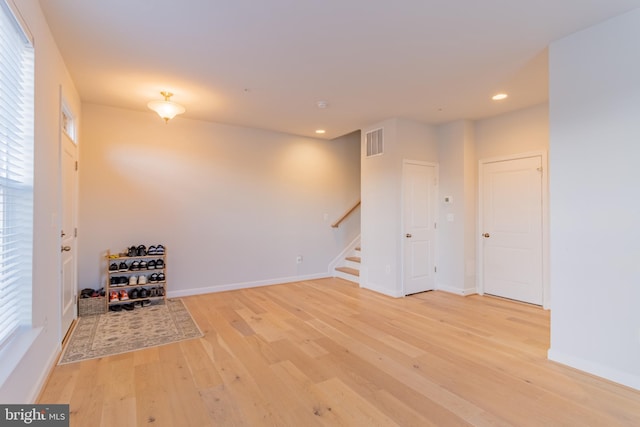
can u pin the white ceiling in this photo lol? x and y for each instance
(266, 63)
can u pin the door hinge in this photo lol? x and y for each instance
(76, 165)
(75, 232)
(435, 269)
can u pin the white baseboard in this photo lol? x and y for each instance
(243, 285)
(44, 376)
(455, 290)
(596, 369)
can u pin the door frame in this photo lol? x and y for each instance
(64, 108)
(436, 213)
(546, 294)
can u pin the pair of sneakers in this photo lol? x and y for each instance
(156, 250)
(140, 250)
(137, 280)
(156, 277)
(115, 267)
(115, 296)
(118, 281)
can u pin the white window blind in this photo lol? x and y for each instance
(16, 175)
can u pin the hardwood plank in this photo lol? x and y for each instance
(326, 352)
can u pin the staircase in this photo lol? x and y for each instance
(350, 268)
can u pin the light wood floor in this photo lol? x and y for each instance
(328, 353)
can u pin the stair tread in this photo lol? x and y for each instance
(349, 270)
(353, 258)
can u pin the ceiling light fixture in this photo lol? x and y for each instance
(166, 109)
(320, 131)
(322, 104)
(499, 96)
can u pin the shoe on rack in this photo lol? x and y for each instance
(135, 265)
(133, 280)
(146, 303)
(159, 264)
(161, 291)
(159, 250)
(153, 292)
(128, 307)
(123, 295)
(116, 308)
(113, 296)
(123, 267)
(152, 250)
(113, 267)
(161, 277)
(151, 265)
(131, 252)
(153, 278)
(134, 293)
(122, 281)
(113, 281)
(143, 265)
(142, 280)
(141, 250)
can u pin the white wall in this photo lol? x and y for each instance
(457, 219)
(381, 200)
(27, 377)
(595, 208)
(234, 206)
(518, 132)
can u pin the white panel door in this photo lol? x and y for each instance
(68, 234)
(511, 229)
(419, 210)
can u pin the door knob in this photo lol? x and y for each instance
(486, 235)
(408, 236)
(65, 249)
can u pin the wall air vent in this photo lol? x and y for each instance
(375, 143)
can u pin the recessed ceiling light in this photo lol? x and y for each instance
(320, 131)
(322, 104)
(499, 96)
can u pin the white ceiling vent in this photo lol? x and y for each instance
(375, 143)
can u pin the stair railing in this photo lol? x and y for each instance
(345, 215)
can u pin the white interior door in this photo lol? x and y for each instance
(68, 231)
(511, 229)
(419, 213)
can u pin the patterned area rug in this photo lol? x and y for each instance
(124, 331)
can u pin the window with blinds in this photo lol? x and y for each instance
(16, 175)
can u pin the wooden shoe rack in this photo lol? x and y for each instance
(129, 260)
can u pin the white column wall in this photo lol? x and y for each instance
(595, 203)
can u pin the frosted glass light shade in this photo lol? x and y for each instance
(166, 109)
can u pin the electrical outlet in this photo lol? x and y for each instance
(299, 259)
